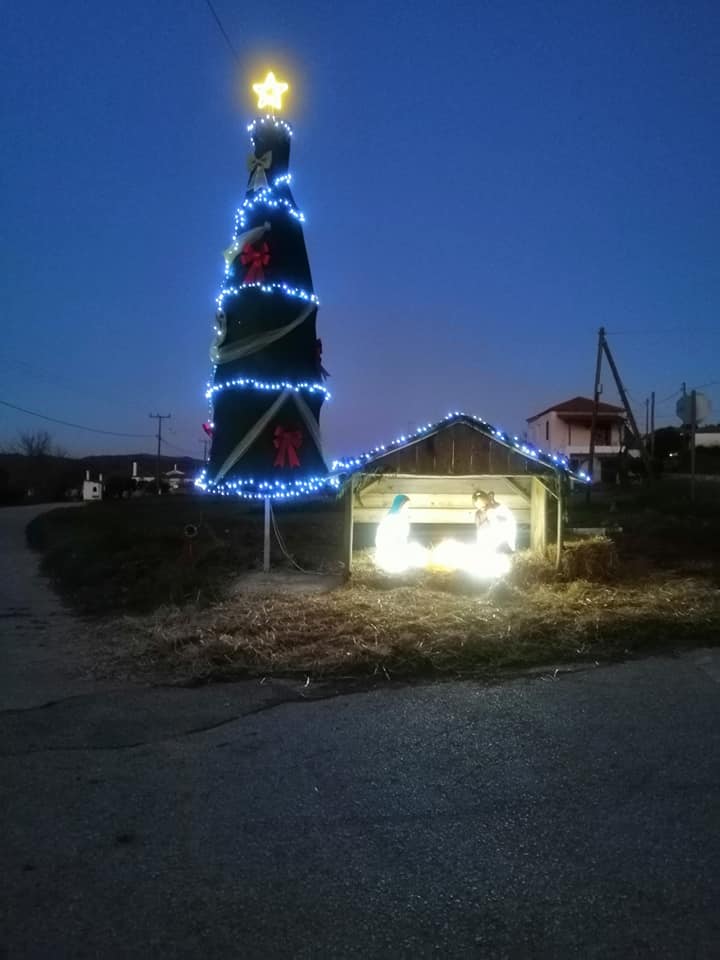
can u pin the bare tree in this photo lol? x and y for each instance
(35, 445)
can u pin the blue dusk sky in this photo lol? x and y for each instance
(485, 184)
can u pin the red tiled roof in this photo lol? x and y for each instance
(578, 405)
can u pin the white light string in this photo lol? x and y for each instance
(555, 460)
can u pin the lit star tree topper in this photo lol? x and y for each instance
(270, 92)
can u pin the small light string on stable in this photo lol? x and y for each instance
(242, 383)
(552, 459)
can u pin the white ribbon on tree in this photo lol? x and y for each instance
(257, 167)
(310, 423)
(242, 239)
(255, 431)
(258, 341)
(251, 436)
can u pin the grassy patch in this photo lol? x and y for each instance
(173, 616)
(428, 624)
(135, 556)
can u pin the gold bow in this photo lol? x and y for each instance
(257, 167)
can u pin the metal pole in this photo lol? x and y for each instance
(266, 537)
(693, 428)
(647, 418)
(596, 401)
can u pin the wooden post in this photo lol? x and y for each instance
(266, 537)
(693, 431)
(560, 520)
(628, 409)
(348, 526)
(538, 516)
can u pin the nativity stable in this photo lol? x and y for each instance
(441, 465)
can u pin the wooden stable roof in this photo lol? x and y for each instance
(459, 445)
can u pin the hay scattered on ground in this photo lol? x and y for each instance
(433, 624)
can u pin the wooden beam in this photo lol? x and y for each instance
(550, 490)
(560, 521)
(434, 515)
(538, 516)
(347, 548)
(520, 488)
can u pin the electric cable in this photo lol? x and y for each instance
(76, 426)
(284, 550)
(223, 31)
(183, 450)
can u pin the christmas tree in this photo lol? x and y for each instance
(267, 384)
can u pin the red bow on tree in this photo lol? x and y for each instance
(287, 443)
(208, 428)
(255, 257)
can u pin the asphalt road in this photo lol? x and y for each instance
(567, 816)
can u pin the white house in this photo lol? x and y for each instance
(708, 437)
(92, 489)
(565, 428)
(175, 479)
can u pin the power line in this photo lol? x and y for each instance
(695, 331)
(223, 31)
(182, 450)
(76, 426)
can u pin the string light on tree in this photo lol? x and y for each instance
(252, 384)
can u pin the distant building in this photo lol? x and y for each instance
(565, 428)
(138, 480)
(175, 479)
(708, 436)
(172, 481)
(92, 489)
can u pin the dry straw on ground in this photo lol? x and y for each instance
(440, 624)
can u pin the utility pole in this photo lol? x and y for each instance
(159, 417)
(652, 426)
(628, 408)
(596, 401)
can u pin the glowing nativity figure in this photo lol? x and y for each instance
(489, 557)
(394, 551)
(495, 524)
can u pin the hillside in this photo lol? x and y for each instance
(46, 478)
